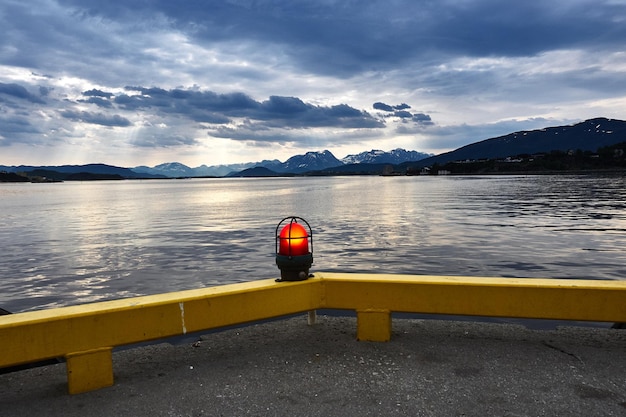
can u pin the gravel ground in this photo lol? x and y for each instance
(287, 368)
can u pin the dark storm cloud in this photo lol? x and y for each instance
(98, 101)
(403, 114)
(400, 111)
(19, 129)
(97, 93)
(293, 112)
(388, 108)
(277, 111)
(173, 99)
(382, 106)
(18, 124)
(96, 118)
(422, 119)
(284, 105)
(350, 37)
(18, 91)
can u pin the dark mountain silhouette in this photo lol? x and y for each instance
(589, 135)
(352, 169)
(101, 169)
(12, 177)
(255, 172)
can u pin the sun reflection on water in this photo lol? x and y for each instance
(81, 242)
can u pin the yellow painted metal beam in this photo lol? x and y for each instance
(44, 334)
(560, 299)
(585, 300)
(85, 334)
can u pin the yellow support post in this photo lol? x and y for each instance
(373, 325)
(90, 370)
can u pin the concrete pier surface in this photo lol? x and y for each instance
(288, 368)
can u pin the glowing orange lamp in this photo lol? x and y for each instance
(294, 248)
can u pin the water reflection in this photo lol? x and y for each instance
(80, 242)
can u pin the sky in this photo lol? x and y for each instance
(139, 82)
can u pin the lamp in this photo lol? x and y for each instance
(293, 256)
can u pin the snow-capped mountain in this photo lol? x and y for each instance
(176, 169)
(310, 161)
(169, 169)
(297, 164)
(375, 156)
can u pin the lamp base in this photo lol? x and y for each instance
(294, 268)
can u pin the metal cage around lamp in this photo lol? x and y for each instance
(294, 248)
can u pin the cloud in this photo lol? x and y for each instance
(403, 114)
(12, 126)
(98, 101)
(180, 101)
(97, 93)
(400, 111)
(96, 118)
(211, 107)
(18, 91)
(348, 38)
(167, 114)
(301, 72)
(422, 119)
(382, 106)
(293, 112)
(389, 108)
(150, 140)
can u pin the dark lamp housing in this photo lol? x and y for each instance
(294, 248)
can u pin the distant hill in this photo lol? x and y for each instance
(255, 172)
(12, 177)
(607, 159)
(352, 169)
(46, 175)
(100, 169)
(589, 135)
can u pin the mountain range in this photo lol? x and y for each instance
(589, 135)
(297, 164)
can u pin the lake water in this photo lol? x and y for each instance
(77, 242)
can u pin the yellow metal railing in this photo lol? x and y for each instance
(86, 334)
